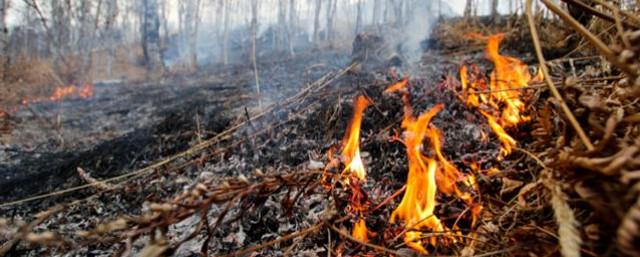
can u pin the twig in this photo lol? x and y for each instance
(376, 247)
(597, 43)
(598, 13)
(563, 105)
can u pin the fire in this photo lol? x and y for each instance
(427, 175)
(86, 91)
(351, 142)
(360, 231)
(501, 100)
(62, 92)
(354, 173)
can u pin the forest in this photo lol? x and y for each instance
(319, 128)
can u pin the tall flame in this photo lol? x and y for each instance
(419, 200)
(351, 141)
(426, 175)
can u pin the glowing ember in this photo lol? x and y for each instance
(360, 231)
(502, 95)
(351, 142)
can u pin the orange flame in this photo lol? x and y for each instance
(360, 231)
(426, 175)
(86, 91)
(419, 200)
(62, 92)
(351, 142)
(503, 96)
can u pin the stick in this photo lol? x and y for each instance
(595, 41)
(547, 78)
(376, 247)
(598, 13)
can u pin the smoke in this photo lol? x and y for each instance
(412, 38)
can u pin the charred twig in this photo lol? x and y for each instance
(545, 71)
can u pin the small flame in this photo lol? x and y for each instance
(62, 92)
(351, 141)
(360, 231)
(86, 91)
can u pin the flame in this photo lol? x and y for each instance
(504, 97)
(360, 231)
(62, 92)
(351, 142)
(419, 200)
(426, 175)
(395, 87)
(86, 91)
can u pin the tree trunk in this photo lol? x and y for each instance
(281, 27)
(291, 26)
(331, 11)
(376, 10)
(467, 8)
(359, 16)
(225, 37)
(193, 23)
(254, 35)
(494, 9)
(316, 22)
(151, 36)
(4, 39)
(109, 33)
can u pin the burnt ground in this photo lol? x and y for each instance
(124, 126)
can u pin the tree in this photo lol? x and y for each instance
(291, 26)
(316, 22)
(376, 11)
(359, 16)
(331, 12)
(494, 9)
(254, 35)
(225, 36)
(152, 53)
(4, 39)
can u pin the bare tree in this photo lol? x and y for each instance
(254, 35)
(331, 12)
(376, 11)
(151, 36)
(190, 22)
(225, 36)
(316, 21)
(291, 27)
(359, 6)
(281, 27)
(494, 8)
(4, 38)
